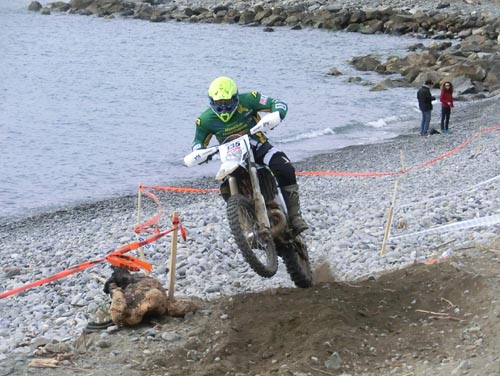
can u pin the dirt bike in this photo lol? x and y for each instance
(256, 210)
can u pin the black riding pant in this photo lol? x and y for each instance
(278, 162)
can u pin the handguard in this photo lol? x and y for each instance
(199, 156)
(267, 123)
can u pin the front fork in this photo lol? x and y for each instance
(258, 200)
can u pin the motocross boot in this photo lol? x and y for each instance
(291, 195)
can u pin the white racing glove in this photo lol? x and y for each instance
(267, 123)
(199, 156)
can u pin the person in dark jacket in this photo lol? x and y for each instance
(446, 99)
(425, 104)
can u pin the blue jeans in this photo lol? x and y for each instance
(426, 120)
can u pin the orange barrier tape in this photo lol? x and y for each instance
(459, 147)
(52, 278)
(128, 262)
(176, 221)
(151, 225)
(135, 245)
(180, 189)
(391, 173)
(431, 261)
(352, 174)
(117, 255)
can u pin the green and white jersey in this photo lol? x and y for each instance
(243, 119)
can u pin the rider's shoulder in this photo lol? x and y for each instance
(250, 97)
(206, 117)
(250, 94)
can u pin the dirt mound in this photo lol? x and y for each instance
(436, 319)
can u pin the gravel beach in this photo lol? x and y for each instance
(346, 214)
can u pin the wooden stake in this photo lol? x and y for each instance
(478, 148)
(173, 256)
(389, 218)
(139, 208)
(402, 157)
(393, 204)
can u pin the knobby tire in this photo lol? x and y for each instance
(296, 259)
(244, 227)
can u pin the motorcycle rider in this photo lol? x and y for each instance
(232, 113)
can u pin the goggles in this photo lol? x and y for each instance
(221, 106)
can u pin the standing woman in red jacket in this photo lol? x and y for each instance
(446, 105)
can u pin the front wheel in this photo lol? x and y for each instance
(256, 245)
(296, 259)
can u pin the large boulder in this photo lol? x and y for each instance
(401, 24)
(60, 6)
(157, 16)
(145, 12)
(436, 77)
(414, 62)
(35, 6)
(273, 20)
(80, 4)
(461, 85)
(372, 14)
(477, 43)
(365, 63)
(259, 16)
(372, 27)
(246, 17)
(426, 59)
(358, 16)
(492, 68)
(473, 71)
(388, 83)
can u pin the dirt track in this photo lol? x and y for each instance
(439, 319)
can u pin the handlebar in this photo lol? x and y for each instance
(199, 156)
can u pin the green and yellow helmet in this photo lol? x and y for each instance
(223, 97)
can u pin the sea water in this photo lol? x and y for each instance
(91, 107)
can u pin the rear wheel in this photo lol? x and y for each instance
(296, 259)
(255, 244)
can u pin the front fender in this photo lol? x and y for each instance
(226, 169)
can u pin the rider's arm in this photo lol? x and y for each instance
(202, 136)
(280, 106)
(264, 103)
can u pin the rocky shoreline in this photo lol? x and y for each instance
(471, 62)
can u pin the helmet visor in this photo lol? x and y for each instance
(222, 106)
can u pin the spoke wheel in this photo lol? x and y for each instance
(256, 245)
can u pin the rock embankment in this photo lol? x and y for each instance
(472, 66)
(472, 63)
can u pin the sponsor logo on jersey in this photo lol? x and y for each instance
(254, 94)
(198, 121)
(263, 99)
(280, 106)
